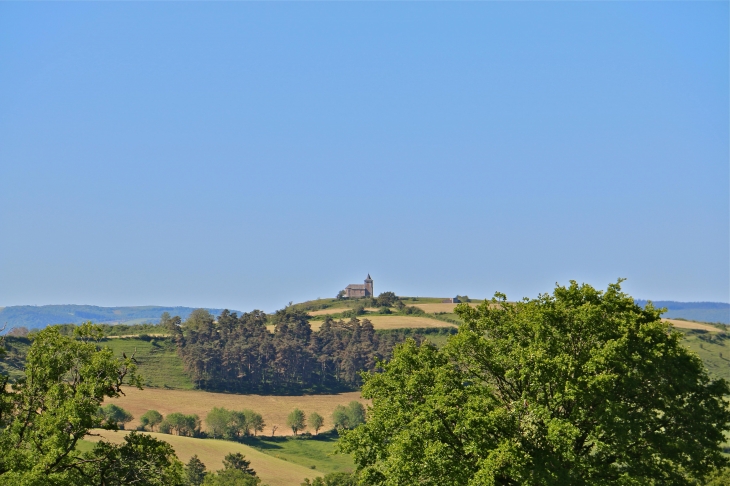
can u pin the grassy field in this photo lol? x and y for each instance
(713, 348)
(272, 470)
(273, 408)
(316, 452)
(158, 362)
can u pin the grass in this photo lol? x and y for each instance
(158, 362)
(274, 409)
(316, 452)
(712, 348)
(272, 470)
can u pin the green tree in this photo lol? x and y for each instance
(355, 413)
(386, 299)
(141, 459)
(46, 413)
(231, 477)
(296, 421)
(150, 419)
(238, 462)
(115, 416)
(181, 424)
(350, 416)
(333, 479)
(218, 421)
(316, 421)
(340, 418)
(255, 421)
(578, 387)
(195, 471)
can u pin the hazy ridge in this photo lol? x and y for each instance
(31, 316)
(693, 311)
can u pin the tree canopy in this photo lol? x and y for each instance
(45, 414)
(575, 387)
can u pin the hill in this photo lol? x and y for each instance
(32, 316)
(693, 311)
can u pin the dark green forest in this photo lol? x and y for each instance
(239, 353)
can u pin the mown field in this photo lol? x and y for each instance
(396, 322)
(274, 408)
(274, 471)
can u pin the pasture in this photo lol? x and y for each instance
(274, 408)
(273, 471)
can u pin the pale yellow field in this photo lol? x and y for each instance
(273, 408)
(394, 322)
(434, 308)
(691, 325)
(272, 471)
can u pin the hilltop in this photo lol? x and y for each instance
(33, 317)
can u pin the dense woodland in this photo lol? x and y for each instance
(240, 354)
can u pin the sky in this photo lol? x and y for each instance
(243, 155)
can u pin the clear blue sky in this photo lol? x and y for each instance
(243, 155)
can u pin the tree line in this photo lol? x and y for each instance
(240, 354)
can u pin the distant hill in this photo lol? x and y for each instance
(32, 316)
(693, 311)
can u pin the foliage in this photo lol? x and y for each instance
(230, 424)
(230, 477)
(150, 419)
(141, 460)
(350, 416)
(115, 416)
(194, 471)
(386, 299)
(333, 479)
(296, 421)
(181, 424)
(44, 415)
(719, 478)
(238, 462)
(255, 421)
(239, 354)
(577, 387)
(316, 421)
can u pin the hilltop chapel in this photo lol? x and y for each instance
(360, 290)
